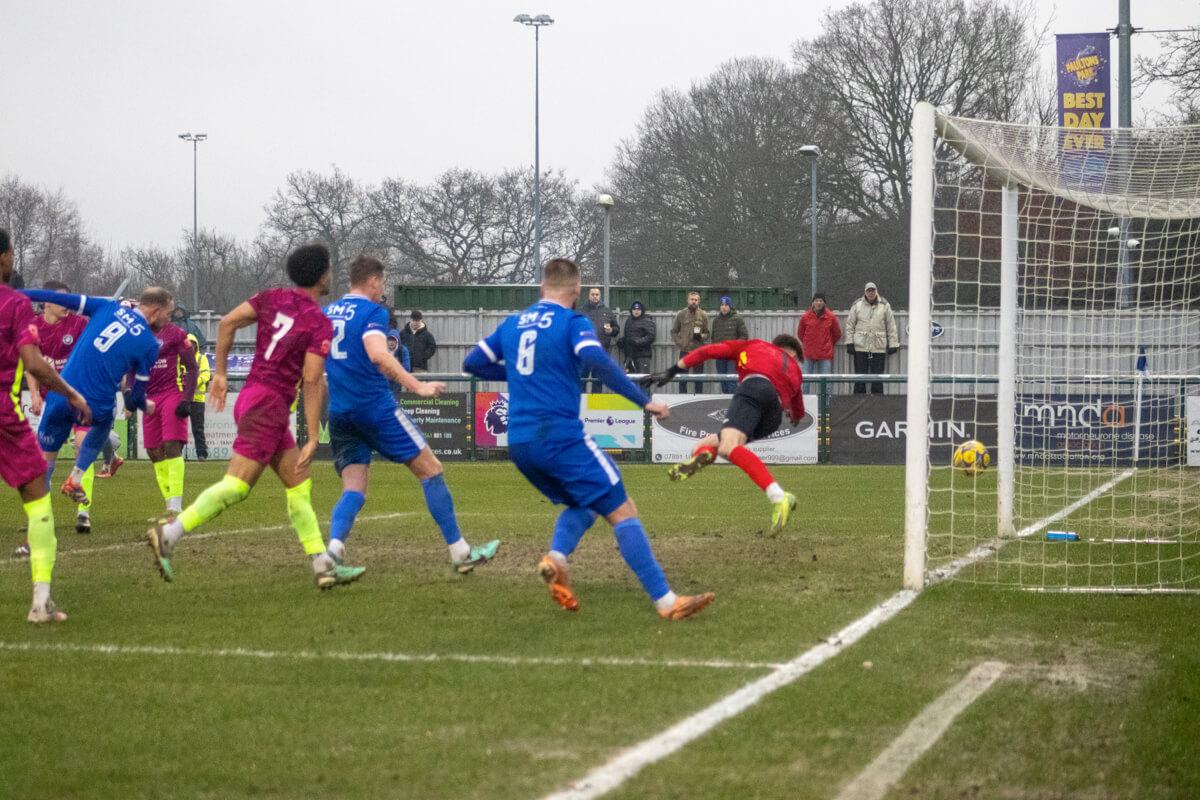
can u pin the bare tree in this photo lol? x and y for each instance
(1177, 65)
(330, 209)
(874, 61)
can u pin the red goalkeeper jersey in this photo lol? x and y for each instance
(756, 357)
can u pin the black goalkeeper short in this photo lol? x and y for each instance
(755, 409)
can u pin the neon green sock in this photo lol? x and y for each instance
(300, 512)
(213, 500)
(43, 546)
(162, 475)
(175, 470)
(87, 482)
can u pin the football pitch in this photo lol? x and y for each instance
(240, 679)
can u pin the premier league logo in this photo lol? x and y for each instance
(496, 418)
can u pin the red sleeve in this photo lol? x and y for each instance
(720, 350)
(800, 328)
(837, 329)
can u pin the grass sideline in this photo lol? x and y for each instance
(1100, 698)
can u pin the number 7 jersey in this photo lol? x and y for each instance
(290, 324)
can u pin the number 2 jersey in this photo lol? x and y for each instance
(355, 382)
(540, 349)
(290, 324)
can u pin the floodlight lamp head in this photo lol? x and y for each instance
(543, 19)
(810, 151)
(524, 19)
(605, 201)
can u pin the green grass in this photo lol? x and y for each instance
(1101, 697)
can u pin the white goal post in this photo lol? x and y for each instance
(1054, 316)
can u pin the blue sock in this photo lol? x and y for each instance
(441, 507)
(49, 473)
(344, 512)
(569, 529)
(93, 443)
(635, 549)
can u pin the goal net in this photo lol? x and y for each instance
(1055, 318)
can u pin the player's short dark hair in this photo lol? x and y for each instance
(56, 286)
(307, 263)
(363, 268)
(5, 241)
(561, 273)
(788, 342)
(156, 296)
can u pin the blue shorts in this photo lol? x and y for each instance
(574, 472)
(386, 430)
(58, 418)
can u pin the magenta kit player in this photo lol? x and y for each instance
(164, 431)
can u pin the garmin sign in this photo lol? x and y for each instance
(1094, 430)
(873, 428)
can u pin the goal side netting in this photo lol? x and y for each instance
(1054, 318)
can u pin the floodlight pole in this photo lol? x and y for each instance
(812, 153)
(537, 23)
(195, 139)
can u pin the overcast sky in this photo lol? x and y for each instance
(95, 92)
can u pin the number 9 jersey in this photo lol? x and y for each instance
(117, 339)
(540, 349)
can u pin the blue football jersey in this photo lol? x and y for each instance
(353, 380)
(540, 349)
(115, 341)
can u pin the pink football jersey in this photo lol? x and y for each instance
(290, 324)
(57, 340)
(173, 345)
(16, 330)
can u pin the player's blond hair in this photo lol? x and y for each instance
(156, 296)
(561, 273)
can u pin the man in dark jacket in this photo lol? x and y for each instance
(419, 341)
(637, 340)
(604, 320)
(727, 326)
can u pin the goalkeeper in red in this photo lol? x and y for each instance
(292, 341)
(769, 382)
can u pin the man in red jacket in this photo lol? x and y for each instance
(769, 381)
(818, 332)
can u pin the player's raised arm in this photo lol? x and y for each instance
(79, 303)
(485, 360)
(242, 316)
(39, 368)
(602, 366)
(375, 344)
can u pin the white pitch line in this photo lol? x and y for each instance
(422, 658)
(606, 778)
(922, 733)
(191, 537)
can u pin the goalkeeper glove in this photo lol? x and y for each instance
(184, 409)
(660, 378)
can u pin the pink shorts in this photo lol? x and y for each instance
(163, 425)
(22, 461)
(262, 417)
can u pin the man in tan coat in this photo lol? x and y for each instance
(689, 331)
(870, 336)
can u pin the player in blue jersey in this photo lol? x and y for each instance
(116, 340)
(544, 350)
(364, 416)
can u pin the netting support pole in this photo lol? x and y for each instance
(920, 302)
(1006, 392)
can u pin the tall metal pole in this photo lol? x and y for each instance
(537, 161)
(536, 23)
(1126, 291)
(813, 213)
(607, 281)
(195, 139)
